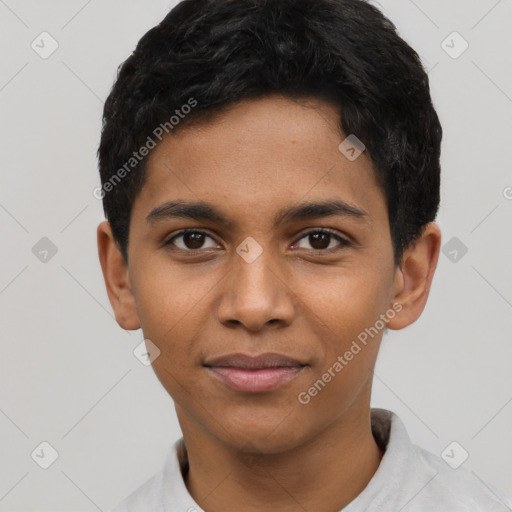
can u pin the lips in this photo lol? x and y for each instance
(250, 374)
(269, 360)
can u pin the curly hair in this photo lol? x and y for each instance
(219, 52)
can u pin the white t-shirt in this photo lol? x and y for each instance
(408, 479)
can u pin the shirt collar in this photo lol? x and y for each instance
(400, 470)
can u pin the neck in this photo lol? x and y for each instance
(339, 461)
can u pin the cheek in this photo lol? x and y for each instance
(346, 308)
(168, 301)
(346, 301)
(173, 307)
(344, 315)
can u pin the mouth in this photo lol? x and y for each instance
(248, 374)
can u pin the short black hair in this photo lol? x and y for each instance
(206, 55)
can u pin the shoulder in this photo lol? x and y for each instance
(165, 490)
(147, 497)
(415, 480)
(460, 489)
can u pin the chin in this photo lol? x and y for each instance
(269, 437)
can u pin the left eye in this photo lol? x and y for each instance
(320, 239)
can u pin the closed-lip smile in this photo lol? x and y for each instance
(254, 374)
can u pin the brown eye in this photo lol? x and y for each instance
(191, 240)
(321, 239)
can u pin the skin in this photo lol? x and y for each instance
(267, 451)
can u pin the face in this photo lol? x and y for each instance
(258, 273)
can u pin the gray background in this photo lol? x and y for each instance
(68, 375)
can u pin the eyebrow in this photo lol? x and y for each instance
(202, 211)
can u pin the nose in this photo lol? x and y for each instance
(255, 294)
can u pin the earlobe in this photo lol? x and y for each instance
(117, 279)
(414, 277)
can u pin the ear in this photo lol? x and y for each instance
(414, 277)
(117, 279)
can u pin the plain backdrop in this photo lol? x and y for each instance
(68, 375)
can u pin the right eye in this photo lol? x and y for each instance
(190, 240)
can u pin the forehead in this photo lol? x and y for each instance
(259, 156)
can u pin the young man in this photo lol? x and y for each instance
(270, 175)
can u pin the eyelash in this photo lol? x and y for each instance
(343, 241)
